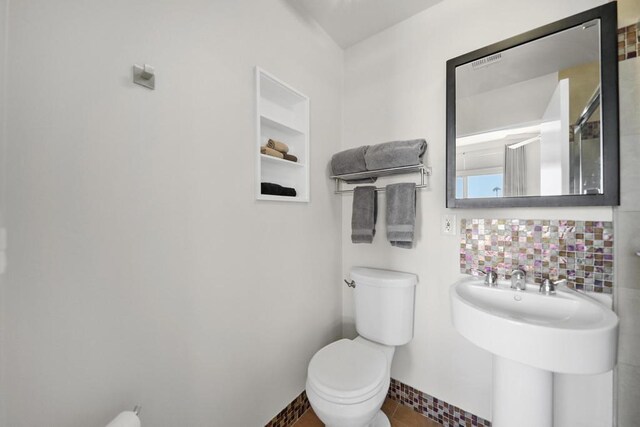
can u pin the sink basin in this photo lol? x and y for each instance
(568, 332)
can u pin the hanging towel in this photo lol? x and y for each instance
(401, 214)
(270, 152)
(395, 154)
(276, 190)
(365, 212)
(290, 157)
(278, 146)
(351, 161)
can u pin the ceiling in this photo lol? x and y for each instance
(350, 21)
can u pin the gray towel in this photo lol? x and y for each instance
(395, 154)
(401, 214)
(351, 161)
(365, 212)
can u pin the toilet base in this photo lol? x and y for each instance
(380, 420)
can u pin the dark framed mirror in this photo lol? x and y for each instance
(533, 120)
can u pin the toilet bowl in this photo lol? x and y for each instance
(348, 380)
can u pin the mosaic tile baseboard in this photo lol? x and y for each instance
(579, 251)
(629, 42)
(438, 410)
(291, 413)
(442, 412)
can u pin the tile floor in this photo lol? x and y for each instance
(399, 415)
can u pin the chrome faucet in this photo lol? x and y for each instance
(547, 287)
(490, 277)
(518, 280)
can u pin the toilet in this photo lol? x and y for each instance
(348, 380)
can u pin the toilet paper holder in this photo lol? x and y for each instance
(351, 284)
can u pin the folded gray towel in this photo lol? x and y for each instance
(395, 154)
(351, 161)
(401, 214)
(365, 212)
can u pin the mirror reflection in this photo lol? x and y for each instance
(528, 119)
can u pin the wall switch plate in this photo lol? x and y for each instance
(448, 225)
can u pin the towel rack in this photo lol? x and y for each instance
(423, 170)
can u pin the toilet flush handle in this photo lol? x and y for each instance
(351, 284)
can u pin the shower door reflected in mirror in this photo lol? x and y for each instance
(525, 119)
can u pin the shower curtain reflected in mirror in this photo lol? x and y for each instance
(515, 171)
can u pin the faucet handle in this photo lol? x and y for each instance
(547, 287)
(490, 277)
(561, 282)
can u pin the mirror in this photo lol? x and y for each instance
(533, 120)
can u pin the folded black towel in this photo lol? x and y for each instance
(276, 190)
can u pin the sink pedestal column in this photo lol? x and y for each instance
(522, 395)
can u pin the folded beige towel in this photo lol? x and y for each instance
(290, 157)
(279, 146)
(270, 152)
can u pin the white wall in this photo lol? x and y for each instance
(3, 97)
(142, 270)
(395, 89)
(627, 243)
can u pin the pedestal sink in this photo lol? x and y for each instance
(531, 336)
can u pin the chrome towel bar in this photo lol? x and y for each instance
(423, 170)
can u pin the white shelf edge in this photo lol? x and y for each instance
(273, 198)
(281, 161)
(278, 123)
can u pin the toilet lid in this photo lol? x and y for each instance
(347, 372)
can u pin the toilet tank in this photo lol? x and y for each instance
(384, 304)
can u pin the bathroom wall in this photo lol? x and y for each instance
(395, 89)
(627, 224)
(3, 40)
(141, 268)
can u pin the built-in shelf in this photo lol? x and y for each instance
(269, 197)
(282, 126)
(283, 115)
(421, 169)
(287, 163)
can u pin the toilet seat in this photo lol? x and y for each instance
(348, 372)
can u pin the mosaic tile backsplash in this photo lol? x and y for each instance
(629, 42)
(579, 251)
